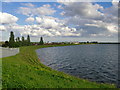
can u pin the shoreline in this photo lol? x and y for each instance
(39, 75)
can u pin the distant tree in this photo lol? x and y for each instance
(6, 44)
(41, 41)
(11, 40)
(23, 41)
(87, 41)
(18, 39)
(28, 40)
(26, 43)
(18, 42)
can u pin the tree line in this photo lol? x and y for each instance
(12, 43)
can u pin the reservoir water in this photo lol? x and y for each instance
(97, 62)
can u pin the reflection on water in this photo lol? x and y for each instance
(94, 62)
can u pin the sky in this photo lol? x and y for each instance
(60, 21)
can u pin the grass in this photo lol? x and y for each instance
(0, 73)
(24, 70)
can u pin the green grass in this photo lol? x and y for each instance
(24, 70)
(0, 73)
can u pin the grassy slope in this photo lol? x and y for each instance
(25, 71)
(0, 73)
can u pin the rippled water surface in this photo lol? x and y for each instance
(94, 62)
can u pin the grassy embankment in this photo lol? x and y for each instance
(25, 71)
(0, 73)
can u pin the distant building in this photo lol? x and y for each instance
(76, 43)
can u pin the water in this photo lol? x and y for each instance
(97, 63)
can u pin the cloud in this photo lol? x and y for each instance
(6, 18)
(84, 9)
(69, 1)
(115, 2)
(29, 19)
(54, 26)
(46, 26)
(79, 20)
(28, 4)
(112, 10)
(38, 30)
(48, 22)
(60, 6)
(2, 28)
(31, 11)
(90, 27)
(52, 23)
(91, 19)
(112, 28)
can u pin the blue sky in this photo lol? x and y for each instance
(13, 6)
(61, 21)
(12, 9)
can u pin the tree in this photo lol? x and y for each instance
(41, 41)
(11, 40)
(18, 39)
(23, 41)
(6, 44)
(28, 40)
(18, 42)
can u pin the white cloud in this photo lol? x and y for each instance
(48, 22)
(69, 1)
(38, 20)
(87, 19)
(31, 11)
(115, 2)
(25, 11)
(84, 9)
(112, 28)
(6, 18)
(45, 10)
(94, 25)
(60, 6)
(38, 30)
(28, 4)
(29, 19)
(2, 28)
(47, 26)
(91, 19)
